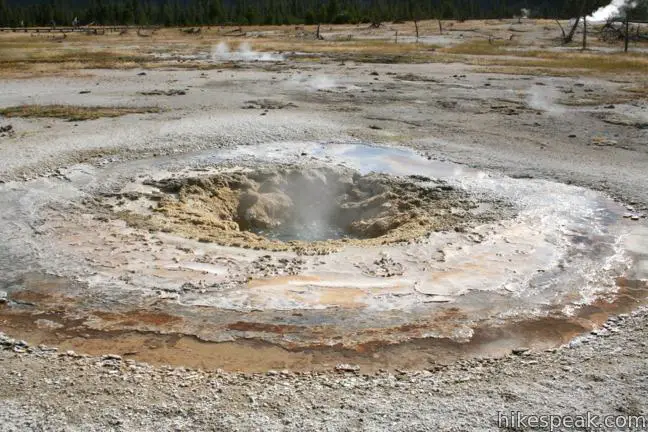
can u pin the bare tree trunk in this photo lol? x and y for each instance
(317, 36)
(440, 27)
(417, 30)
(584, 32)
(564, 35)
(396, 38)
(570, 36)
(626, 38)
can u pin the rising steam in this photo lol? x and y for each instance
(244, 53)
(610, 10)
(542, 99)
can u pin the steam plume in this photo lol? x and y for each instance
(610, 10)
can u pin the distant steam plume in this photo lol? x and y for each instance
(245, 53)
(610, 10)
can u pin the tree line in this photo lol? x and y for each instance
(18, 13)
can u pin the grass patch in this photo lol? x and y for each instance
(88, 59)
(37, 61)
(542, 62)
(598, 62)
(72, 112)
(26, 56)
(639, 90)
(378, 47)
(480, 47)
(529, 71)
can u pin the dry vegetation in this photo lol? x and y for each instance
(73, 113)
(566, 62)
(497, 46)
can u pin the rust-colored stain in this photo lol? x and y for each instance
(557, 329)
(47, 301)
(631, 284)
(156, 336)
(262, 327)
(30, 296)
(134, 317)
(444, 319)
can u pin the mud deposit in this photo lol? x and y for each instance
(306, 255)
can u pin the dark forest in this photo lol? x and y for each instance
(269, 12)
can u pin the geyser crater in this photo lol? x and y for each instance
(302, 208)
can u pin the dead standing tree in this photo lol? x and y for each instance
(570, 36)
(584, 32)
(438, 14)
(415, 15)
(626, 38)
(579, 9)
(619, 28)
(632, 11)
(562, 29)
